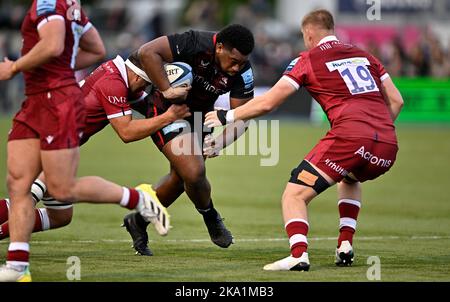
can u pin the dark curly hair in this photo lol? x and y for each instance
(237, 36)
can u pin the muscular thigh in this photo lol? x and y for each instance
(185, 155)
(60, 167)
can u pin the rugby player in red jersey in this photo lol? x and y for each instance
(107, 92)
(220, 64)
(361, 103)
(46, 132)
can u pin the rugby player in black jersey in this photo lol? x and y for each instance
(220, 64)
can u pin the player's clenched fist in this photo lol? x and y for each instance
(7, 70)
(178, 112)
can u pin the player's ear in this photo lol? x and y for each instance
(219, 48)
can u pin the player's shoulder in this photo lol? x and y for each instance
(246, 74)
(302, 58)
(46, 7)
(198, 39)
(111, 77)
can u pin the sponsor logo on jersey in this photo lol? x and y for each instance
(374, 160)
(248, 78)
(45, 6)
(339, 64)
(116, 99)
(208, 86)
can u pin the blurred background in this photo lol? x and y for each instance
(412, 39)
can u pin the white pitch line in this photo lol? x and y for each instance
(237, 240)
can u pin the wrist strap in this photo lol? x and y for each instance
(222, 116)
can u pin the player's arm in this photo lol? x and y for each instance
(392, 97)
(258, 106)
(91, 49)
(51, 45)
(153, 55)
(229, 134)
(130, 130)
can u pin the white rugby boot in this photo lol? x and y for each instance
(152, 210)
(9, 273)
(290, 264)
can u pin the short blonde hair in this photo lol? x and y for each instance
(321, 18)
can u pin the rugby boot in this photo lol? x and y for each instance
(10, 273)
(290, 264)
(136, 226)
(153, 211)
(218, 233)
(344, 254)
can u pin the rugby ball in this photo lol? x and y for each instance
(179, 74)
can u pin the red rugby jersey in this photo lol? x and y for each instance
(58, 72)
(346, 82)
(106, 95)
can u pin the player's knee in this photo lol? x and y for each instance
(297, 196)
(195, 176)
(61, 193)
(17, 185)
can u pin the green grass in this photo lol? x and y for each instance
(405, 219)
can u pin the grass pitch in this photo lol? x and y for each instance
(405, 218)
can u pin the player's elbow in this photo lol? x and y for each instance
(267, 108)
(126, 137)
(400, 102)
(101, 52)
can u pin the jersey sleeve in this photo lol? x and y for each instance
(243, 87)
(296, 72)
(379, 68)
(48, 10)
(113, 97)
(184, 45)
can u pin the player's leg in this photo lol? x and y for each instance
(307, 181)
(23, 162)
(60, 168)
(382, 157)
(169, 188)
(191, 169)
(57, 213)
(349, 204)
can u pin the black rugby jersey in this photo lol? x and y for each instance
(197, 48)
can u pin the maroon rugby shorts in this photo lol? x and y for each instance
(56, 117)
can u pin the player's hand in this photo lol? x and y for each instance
(210, 148)
(176, 94)
(6, 70)
(215, 118)
(178, 112)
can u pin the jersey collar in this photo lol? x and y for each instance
(120, 64)
(328, 39)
